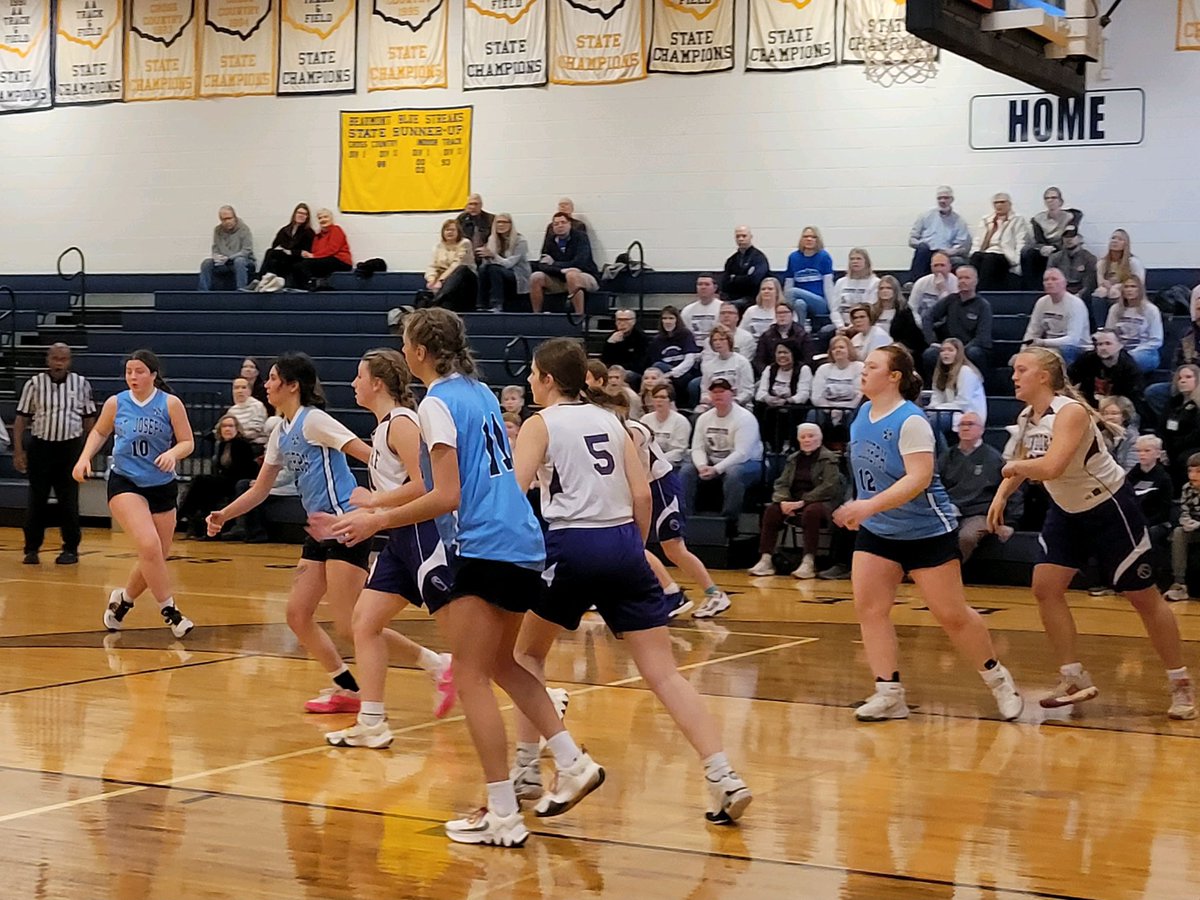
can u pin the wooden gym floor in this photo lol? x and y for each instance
(135, 766)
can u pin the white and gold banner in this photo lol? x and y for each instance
(160, 57)
(89, 52)
(877, 28)
(504, 43)
(24, 55)
(1187, 29)
(318, 46)
(691, 36)
(407, 44)
(238, 49)
(791, 34)
(597, 42)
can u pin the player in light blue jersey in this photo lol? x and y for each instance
(151, 435)
(905, 524)
(499, 555)
(313, 445)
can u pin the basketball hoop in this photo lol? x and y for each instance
(899, 60)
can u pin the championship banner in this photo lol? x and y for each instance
(876, 29)
(24, 55)
(160, 57)
(597, 42)
(405, 160)
(504, 43)
(407, 44)
(237, 48)
(89, 52)
(785, 35)
(318, 46)
(1187, 31)
(688, 37)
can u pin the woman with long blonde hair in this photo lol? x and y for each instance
(957, 384)
(1138, 323)
(1093, 514)
(1111, 271)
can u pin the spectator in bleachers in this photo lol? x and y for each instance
(1111, 271)
(250, 412)
(859, 285)
(704, 312)
(996, 253)
(628, 345)
(894, 315)
(1059, 320)
(782, 392)
(785, 330)
(931, 288)
(964, 315)
(232, 252)
(941, 230)
(1152, 484)
(805, 494)
(1119, 411)
(503, 265)
(722, 364)
(957, 385)
(252, 527)
(1137, 323)
(450, 277)
(1077, 264)
(864, 335)
(761, 316)
(330, 253)
(744, 342)
(475, 224)
(512, 427)
(1180, 425)
(837, 384)
(672, 432)
(808, 278)
(971, 473)
(566, 207)
(258, 387)
(1187, 533)
(744, 270)
(290, 241)
(1049, 227)
(233, 459)
(565, 264)
(512, 400)
(651, 378)
(1186, 351)
(726, 449)
(1107, 371)
(674, 350)
(617, 382)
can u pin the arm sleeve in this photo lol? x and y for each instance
(273, 457)
(520, 251)
(437, 425)
(699, 451)
(26, 406)
(803, 386)
(1034, 329)
(961, 239)
(936, 314)
(914, 235)
(745, 436)
(322, 428)
(685, 366)
(745, 385)
(1136, 267)
(835, 303)
(245, 243)
(817, 392)
(1152, 339)
(916, 436)
(764, 386)
(983, 334)
(681, 436)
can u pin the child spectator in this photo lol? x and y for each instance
(1119, 411)
(1188, 531)
(512, 424)
(512, 400)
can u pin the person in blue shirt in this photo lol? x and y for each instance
(313, 446)
(499, 555)
(906, 525)
(151, 435)
(808, 278)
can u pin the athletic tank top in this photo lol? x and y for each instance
(583, 476)
(877, 463)
(141, 433)
(322, 474)
(653, 461)
(387, 471)
(1091, 476)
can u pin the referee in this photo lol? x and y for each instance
(60, 404)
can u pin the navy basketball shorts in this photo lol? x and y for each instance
(912, 554)
(666, 517)
(358, 556)
(1113, 533)
(413, 564)
(505, 585)
(605, 568)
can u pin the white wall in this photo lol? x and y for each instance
(675, 161)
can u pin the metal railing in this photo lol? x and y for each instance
(517, 350)
(10, 315)
(79, 298)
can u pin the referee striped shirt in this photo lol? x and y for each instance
(57, 408)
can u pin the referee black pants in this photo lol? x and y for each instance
(50, 465)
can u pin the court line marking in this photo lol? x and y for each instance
(281, 593)
(224, 656)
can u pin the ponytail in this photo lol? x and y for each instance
(1050, 362)
(388, 366)
(298, 368)
(444, 337)
(900, 360)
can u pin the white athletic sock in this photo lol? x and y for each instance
(527, 752)
(671, 588)
(371, 713)
(429, 661)
(1179, 674)
(170, 601)
(564, 748)
(1071, 670)
(717, 766)
(502, 797)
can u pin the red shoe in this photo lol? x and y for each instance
(447, 693)
(334, 700)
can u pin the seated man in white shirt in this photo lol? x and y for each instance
(744, 342)
(701, 315)
(931, 288)
(1059, 320)
(726, 448)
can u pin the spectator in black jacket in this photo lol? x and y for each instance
(1186, 351)
(233, 459)
(744, 270)
(1180, 424)
(290, 241)
(627, 346)
(566, 264)
(1152, 484)
(964, 315)
(475, 224)
(784, 331)
(1106, 371)
(674, 350)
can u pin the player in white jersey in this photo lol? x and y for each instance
(596, 503)
(411, 568)
(1093, 513)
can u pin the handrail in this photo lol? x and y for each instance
(10, 314)
(527, 356)
(636, 270)
(81, 275)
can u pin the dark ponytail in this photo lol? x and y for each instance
(150, 361)
(565, 362)
(900, 360)
(298, 368)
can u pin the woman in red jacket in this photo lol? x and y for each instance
(330, 253)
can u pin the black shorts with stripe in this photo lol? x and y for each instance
(1113, 533)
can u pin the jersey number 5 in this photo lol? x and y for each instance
(605, 464)
(496, 438)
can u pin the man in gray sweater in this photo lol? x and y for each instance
(971, 474)
(232, 252)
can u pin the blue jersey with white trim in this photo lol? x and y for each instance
(141, 433)
(877, 464)
(322, 474)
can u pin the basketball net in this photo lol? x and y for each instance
(899, 60)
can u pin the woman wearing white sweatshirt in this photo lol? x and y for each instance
(1138, 324)
(837, 383)
(957, 386)
(724, 363)
(859, 285)
(783, 388)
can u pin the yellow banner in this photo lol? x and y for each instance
(237, 48)
(405, 160)
(160, 55)
(1187, 34)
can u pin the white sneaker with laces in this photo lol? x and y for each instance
(1183, 700)
(712, 605)
(570, 785)
(763, 567)
(179, 624)
(1070, 690)
(807, 569)
(117, 609)
(730, 797)
(373, 737)
(485, 827)
(1008, 699)
(1177, 592)
(527, 781)
(561, 698)
(886, 703)
(680, 603)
